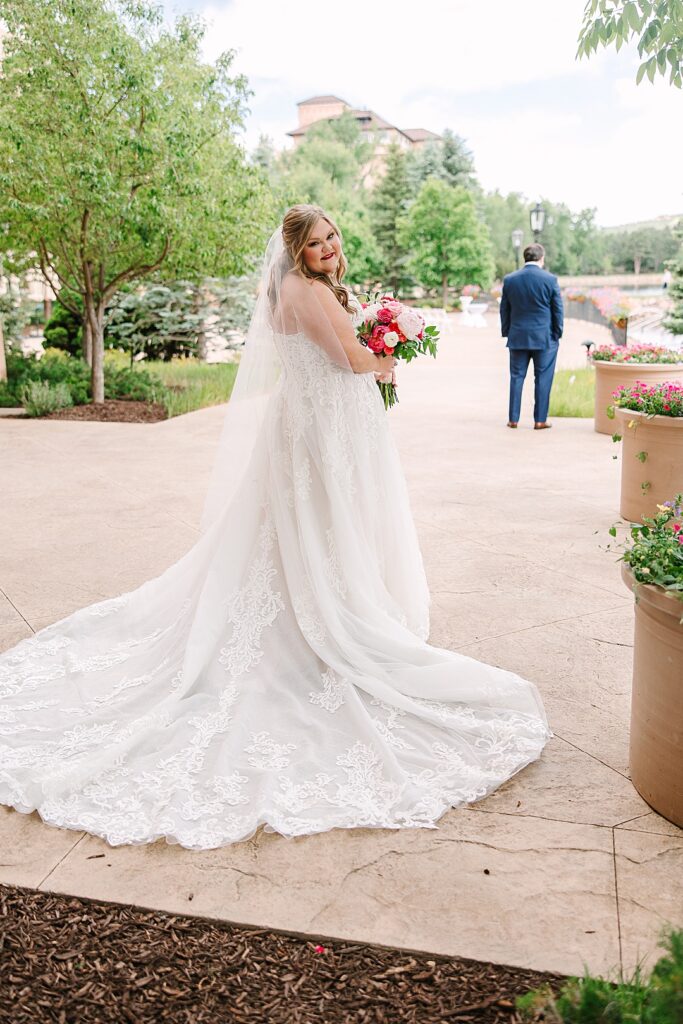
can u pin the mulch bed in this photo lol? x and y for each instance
(113, 410)
(69, 960)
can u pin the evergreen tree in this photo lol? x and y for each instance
(447, 159)
(458, 161)
(388, 204)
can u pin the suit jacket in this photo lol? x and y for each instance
(531, 309)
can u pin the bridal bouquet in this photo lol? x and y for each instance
(397, 330)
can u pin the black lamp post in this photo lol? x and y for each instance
(537, 218)
(517, 236)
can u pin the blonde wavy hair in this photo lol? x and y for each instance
(297, 225)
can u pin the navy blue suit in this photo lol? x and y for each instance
(532, 319)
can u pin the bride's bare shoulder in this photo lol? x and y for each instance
(296, 285)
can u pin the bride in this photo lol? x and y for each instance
(278, 674)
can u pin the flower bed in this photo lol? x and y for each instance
(621, 367)
(649, 421)
(612, 304)
(642, 355)
(606, 306)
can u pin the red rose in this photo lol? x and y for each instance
(376, 344)
(385, 316)
(389, 351)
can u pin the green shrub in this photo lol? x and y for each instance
(136, 385)
(54, 368)
(8, 400)
(74, 373)
(39, 397)
(64, 330)
(590, 1000)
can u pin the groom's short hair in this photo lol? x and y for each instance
(534, 253)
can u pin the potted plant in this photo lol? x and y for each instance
(649, 423)
(619, 365)
(467, 296)
(653, 570)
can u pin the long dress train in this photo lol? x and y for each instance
(278, 674)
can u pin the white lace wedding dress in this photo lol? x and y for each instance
(278, 673)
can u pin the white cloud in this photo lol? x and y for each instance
(454, 63)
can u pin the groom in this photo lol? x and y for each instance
(531, 318)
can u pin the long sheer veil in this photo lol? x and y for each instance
(286, 304)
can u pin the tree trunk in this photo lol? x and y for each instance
(87, 340)
(3, 361)
(444, 293)
(637, 260)
(94, 312)
(197, 304)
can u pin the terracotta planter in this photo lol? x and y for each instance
(652, 480)
(656, 741)
(610, 376)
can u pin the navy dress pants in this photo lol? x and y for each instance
(544, 370)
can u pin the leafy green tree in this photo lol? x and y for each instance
(388, 205)
(645, 249)
(449, 244)
(360, 246)
(558, 238)
(656, 24)
(328, 169)
(118, 152)
(589, 244)
(503, 215)
(328, 166)
(674, 321)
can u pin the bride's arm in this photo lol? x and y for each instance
(325, 321)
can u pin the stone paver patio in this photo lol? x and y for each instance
(563, 866)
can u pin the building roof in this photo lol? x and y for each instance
(368, 120)
(420, 134)
(322, 99)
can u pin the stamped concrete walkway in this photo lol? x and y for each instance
(563, 866)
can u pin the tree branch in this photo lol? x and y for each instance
(139, 270)
(44, 257)
(44, 261)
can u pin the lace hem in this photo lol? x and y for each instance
(424, 813)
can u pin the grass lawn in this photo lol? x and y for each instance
(192, 384)
(573, 393)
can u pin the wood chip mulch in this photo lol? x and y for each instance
(113, 410)
(70, 960)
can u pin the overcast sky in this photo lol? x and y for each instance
(500, 73)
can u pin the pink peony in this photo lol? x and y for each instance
(410, 323)
(392, 304)
(385, 316)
